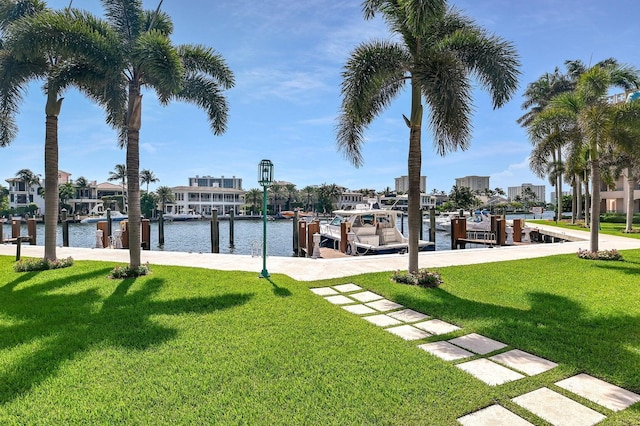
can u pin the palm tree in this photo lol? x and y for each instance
(82, 184)
(546, 157)
(309, 192)
(255, 196)
(28, 177)
(276, 190)
(290, 189)
(33, 50)
(65, 193)
(587, 104)
(626, 148)
(165, 195)
(438, 52)
(147, 177)
(119, 173)
(191, 73)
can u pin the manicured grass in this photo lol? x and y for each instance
(605, 227)
(195, 346)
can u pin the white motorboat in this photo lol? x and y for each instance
(480, 220)
(116, 216)
(373, 230)
(182, 216)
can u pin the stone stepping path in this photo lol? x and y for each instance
(489, 364)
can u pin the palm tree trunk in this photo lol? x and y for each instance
(133, 173)
(414, 168)
(574, 199)
(52, 109)
(630, 186)
(559, 185)
(50, 187)
(578, 198)
(587, 200)
(595, 199)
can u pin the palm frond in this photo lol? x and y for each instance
(373, 76)
(206, 94)
(126, 17)
(158, 59)
(202, 59)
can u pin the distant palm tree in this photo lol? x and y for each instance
(82, 184)
(276, 191)
(29, 178)
(66, 191)
(436, 52)
(309, 191)
(165, 195)
(255, 196)
(119, 174)
(147, 177)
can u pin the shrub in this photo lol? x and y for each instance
(41, 264)
(601, 255)
(423, 278)
(120, 272)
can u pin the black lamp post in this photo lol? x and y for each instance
(265, 179)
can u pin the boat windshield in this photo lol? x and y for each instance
(337, 221)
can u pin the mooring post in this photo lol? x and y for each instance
(31, 227)
(146, 234)
(296, 235)
(161, 228)
(232, 215)
(432, 225)
(109, 230)
(215, 237)
(65, 228)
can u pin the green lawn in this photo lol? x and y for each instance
(605, 227)
(196, 346)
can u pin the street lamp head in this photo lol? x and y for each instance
(265, 173)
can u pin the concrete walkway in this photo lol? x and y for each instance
(307, 269)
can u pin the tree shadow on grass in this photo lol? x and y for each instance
(553, 327)
(46, 327)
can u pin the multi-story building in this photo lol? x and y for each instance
(614, 199)
(205, 194)
(21, 194)
(402, 184)
(214, 182)
(538, 190)
(474, 183)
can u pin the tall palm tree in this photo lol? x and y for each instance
(626, 147)
(594, 117)
(147, 177)
(119, 174)
(34, 50)
(28, 177)
(546, 157)
(191, 73)
(438, 52)
(276, 191)
(309, 192)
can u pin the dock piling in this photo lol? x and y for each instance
(231, 221)
(215, 232)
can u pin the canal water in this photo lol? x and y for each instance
(195, 236)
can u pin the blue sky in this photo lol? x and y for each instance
(287, 58)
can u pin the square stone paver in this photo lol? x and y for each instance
(339, 300)
(445, 351)
(408, 332)
(558, 409)
(489, 372)
(346, 288)
(495, 415)
(365, 296)
(525, 362)
(477, 343)
(324, 291)
(382, 320)
(408, 315)
(613, 397)
(384, 305)
(436, 326)
(359, 309)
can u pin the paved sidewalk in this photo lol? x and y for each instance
(307, 269)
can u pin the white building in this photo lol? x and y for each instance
(474, 183)
(203, 199)
(402, 184)
(538, 190)
(214, 182)
(21, 195)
